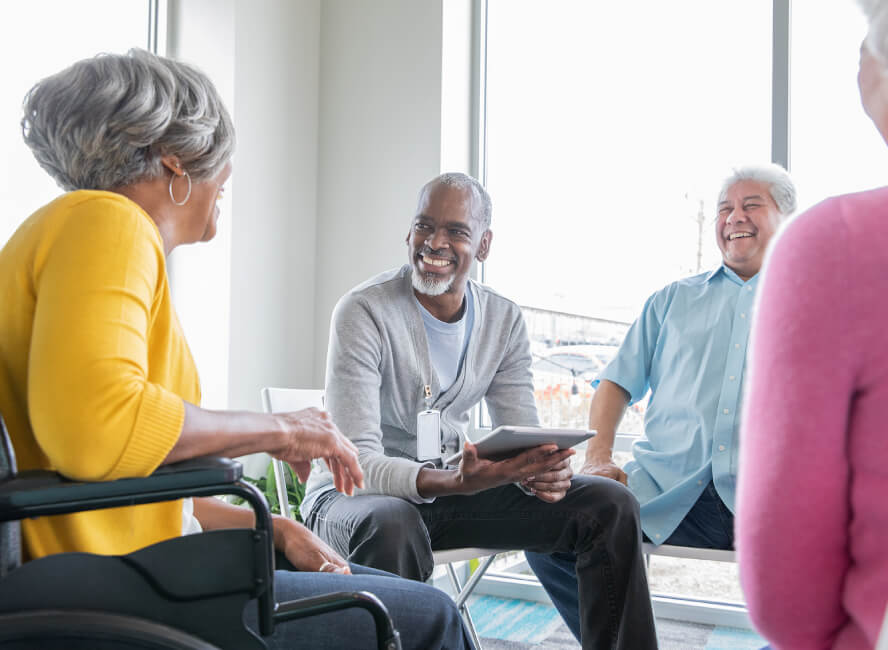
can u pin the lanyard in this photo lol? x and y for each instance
(426, 385)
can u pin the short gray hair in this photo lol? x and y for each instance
(481, 205)
(780, 185)
(105, 122)
(876, 12)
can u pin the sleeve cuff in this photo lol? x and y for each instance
(157, 428)
(416, 497)
(614, 376)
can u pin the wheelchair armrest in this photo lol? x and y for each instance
(38, 493)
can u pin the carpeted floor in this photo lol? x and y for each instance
(505, 624)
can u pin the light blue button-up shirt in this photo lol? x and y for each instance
(689, 348)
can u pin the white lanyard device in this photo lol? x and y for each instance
(428, 430)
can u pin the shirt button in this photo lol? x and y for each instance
(699, 482)
(657, 535)
(732, 377)
(749, 288)
(721, 447)
(742, 315)
(736, 346)
(726, 411)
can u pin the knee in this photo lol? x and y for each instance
(394, 538)
(391, 523)
(614, 502)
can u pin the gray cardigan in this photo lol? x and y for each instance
(378, 362)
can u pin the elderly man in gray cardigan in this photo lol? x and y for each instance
(417, 348)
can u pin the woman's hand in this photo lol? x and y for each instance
(310, 434)
(297, 438)
(304, 549)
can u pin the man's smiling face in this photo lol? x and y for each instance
(747, 219)
(443, 240)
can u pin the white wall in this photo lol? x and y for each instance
(380, 138)
(202, 33)
(273, 236)
(343, 109)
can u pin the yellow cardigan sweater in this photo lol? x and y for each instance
(93, 363)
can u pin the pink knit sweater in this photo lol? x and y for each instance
(812, 526)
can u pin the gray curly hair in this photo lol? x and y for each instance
(778, 180)
(481, 205)
(105, 122)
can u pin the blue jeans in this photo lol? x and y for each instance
(597, 522)
(709, 524)
(424, 616)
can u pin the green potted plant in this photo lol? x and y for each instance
(268, 486)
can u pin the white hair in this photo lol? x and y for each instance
(481, 205)
(780, 185)
(876, 12)
(106, 122)
(428, 286)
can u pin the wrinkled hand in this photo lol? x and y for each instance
(309, 434)
(306, 550)
(476, 474)
(551, 486)
(605, 467)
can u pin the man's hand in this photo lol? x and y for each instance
(545, 464)
(552, 485)
(305, 549)
(604, 466)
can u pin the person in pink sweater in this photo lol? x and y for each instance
(813, 487)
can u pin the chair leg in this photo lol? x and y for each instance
(462, 605)
(474, 580)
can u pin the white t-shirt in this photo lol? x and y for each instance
(190, 524)
(448, 341)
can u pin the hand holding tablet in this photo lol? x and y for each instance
(505, 441)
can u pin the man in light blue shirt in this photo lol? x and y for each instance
(688, 347)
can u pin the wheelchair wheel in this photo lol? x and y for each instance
(87, 630)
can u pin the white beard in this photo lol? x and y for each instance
(430, 287)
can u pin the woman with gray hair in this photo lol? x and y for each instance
(811, 505)
(97, 381)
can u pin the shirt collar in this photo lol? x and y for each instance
(731, 275)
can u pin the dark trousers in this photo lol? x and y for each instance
(709, 524)
(597, 522)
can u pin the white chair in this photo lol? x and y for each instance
(688, 553)
(279, 400)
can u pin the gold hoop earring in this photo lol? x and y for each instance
(187, 194)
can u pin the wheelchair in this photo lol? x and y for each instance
(186, 593)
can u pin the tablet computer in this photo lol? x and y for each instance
(507, 441)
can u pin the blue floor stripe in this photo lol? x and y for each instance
(513, 620)
(732, 638)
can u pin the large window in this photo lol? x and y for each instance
(607, 137)
(38, 38)
(834, 147)
(609, 127)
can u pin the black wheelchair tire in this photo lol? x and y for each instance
(82, 630)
